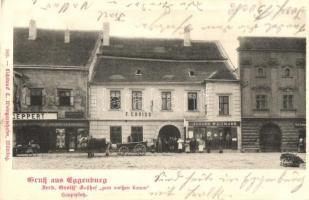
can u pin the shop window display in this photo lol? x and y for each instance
(60, 140)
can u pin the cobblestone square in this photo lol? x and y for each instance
(213, 160)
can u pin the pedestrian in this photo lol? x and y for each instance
(159, 145)
(209, 141)
(301, 145)
(165, 147)
(228, 141)
(187, 146)
(180, 145)
(129, 138)
(200, 145)
(220, 142)
(175, 144)
(171, 144)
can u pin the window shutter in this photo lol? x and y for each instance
(43, 96)
(72, 98)
(56, 97)
(27, 99)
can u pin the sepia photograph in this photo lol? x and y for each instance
(151, 103)
(151, 100)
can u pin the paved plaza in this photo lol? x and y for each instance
(214, 160)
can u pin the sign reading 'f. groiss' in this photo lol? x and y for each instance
(34, 116)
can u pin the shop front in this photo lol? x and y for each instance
(52, 134)
(218, 135)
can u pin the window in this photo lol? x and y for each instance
(65, 97)
(137, 100)
(192, 101)
(223, 105)
(36, 96)
(288, 102)
(138, 72)
(137, 134)
(261, 102)
(286, 72)
(260, 72)
(115, 100)
(115, 134)
(191, 73)
(166, 101)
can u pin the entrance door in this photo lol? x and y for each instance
(167, 139)
(270, 138)
(36, 134)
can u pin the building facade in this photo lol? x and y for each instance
(159, 89)
(272, 73)
(50, 87)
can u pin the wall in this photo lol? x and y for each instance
(101, 117)
(50, 80)
(272, 82)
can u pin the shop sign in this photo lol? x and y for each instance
(138, 114)
(300, 124)
(34, 116)
(232, 123)
(75, 115)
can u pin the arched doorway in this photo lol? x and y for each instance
(167, 139)
(270, 138)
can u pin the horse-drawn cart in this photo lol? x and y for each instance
(132, 147)
(100, 145)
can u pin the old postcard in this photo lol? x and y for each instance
(148, 99)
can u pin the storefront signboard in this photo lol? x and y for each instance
(34, 116)
(300, 124)
(231, 123)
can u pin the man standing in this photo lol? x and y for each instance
(209, 140)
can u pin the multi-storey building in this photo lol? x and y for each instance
(163, 88)
(273, 92)
(50, 86)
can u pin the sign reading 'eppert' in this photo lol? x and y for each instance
(34, 116)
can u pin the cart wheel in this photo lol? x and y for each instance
(140, 149)
(123, 150)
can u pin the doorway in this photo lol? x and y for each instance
(270, 138)
(167, 139)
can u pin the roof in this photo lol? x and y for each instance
(49, 47)
(119, 70)
(272, 43)
(163, 49)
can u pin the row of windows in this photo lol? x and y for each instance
(287, 102)
(64, 97)
(286, 72)
(166, 99)
(116, 134)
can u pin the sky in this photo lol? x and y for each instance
(222, 20)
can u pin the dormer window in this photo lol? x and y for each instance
(286, 72)
(138, 72)
(191, 73)
(260, 72)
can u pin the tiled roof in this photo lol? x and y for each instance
(272, 43)
(162, 49)
(49, 47)
(114, 69)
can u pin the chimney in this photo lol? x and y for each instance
(187, 40)
(32, 30)
(67, 36)
(105, 34)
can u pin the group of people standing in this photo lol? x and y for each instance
(192, 145)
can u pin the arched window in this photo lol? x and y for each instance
(260, 72)
(287, 72)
